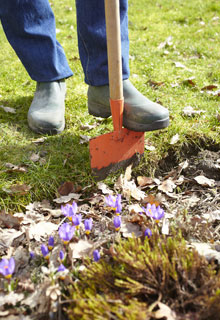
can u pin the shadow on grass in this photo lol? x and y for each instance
(61, 158)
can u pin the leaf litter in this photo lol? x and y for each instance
(188, 193)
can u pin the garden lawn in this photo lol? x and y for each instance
(174, 53)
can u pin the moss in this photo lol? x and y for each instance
(140, 272)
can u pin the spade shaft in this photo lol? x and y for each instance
(115, 150)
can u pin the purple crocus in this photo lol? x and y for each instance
(118, 206)
(61, 255)
(32, 255)
(77, 220)
(96, 255)
(66, 232)
(117, 222)
(69, 210)
(51, 243)
(114, 203)
(62, 270)
(45, 251)
(88, 225)
(148, 233)
(7, 267)
(154, 212)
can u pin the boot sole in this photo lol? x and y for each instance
(52, 131)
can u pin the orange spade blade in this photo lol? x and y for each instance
(112, 151)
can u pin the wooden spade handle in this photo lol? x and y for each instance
(112, 17)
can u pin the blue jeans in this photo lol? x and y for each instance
(30, 28)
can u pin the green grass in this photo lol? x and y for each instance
(150, 23)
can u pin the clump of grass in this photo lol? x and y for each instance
(138, 273)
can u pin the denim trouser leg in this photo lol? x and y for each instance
(30, 28)
(92, 40)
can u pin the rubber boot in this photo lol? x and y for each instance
(47, 110)
(140, 114)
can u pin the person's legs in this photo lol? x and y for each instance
(31, 31)
(140, 114)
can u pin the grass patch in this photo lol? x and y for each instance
(194, 27)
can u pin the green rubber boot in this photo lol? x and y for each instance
(140, 114)
(46, 113)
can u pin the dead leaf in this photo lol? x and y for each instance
(129, 229)
(34, 157)
(88, 127)
(84, 139)
(165, 227)
(81, 249)
(134, 208)
(152, 200)
(149, 148)
(189, 82)
(155, 84)
(182, 66)
(11, 298)
(18, 189)
(13, 167)
(164, 312)
(189, 111)
(9, 220)
(206, 250)
(104, 188)
(175, 139)
(210, 87)
(41, 230)
(39, 140)
(53, 292)
(205, 181)
(66, 188)
(7, 236)
(127, 175)
(212, 216)
(8, 109)
(65, 199)
(144, 181)
(167, 43)
(167, 186)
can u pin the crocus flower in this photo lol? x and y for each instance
(7, 267)
(61, 255)
(51, 243)
(110, 201)
(148, 233)
(77, 220)
(118, 206)
(117, 222)
(154, 212)
(96, 255)
(66, 232)
(62, 270)
(31, 254)
(114, 203)
(69, 210)
(88, 225)
(45, 251)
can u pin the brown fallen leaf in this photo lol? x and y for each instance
(81, 249)
(18, 189)
(152, 200)
(66, 188)
(12, 167)
(155, 84)
(129, 229)
(65, 199)
(9, 221)
(210, 87)
(144, 181)
(167, 186)
(189, 82)
(205, 181)
(35, 157)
